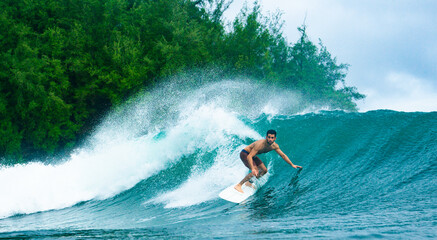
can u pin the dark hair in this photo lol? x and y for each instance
(271, 131)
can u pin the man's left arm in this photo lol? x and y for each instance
(278, 150)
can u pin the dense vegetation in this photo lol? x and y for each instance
(63, 63)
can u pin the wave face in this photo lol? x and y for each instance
(155, 166)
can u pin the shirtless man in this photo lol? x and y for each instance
(251, 161)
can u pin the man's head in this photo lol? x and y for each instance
(271, 136)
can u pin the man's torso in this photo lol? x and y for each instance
(261, 146)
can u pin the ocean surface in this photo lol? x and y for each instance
(154, 168)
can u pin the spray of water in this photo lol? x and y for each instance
(146, 135)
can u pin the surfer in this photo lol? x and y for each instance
(254, 163)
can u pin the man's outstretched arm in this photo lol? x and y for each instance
(282, 154)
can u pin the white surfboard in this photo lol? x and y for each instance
(232, 195)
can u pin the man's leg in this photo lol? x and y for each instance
(243, 157)
(261, 171)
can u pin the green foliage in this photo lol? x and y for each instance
(247, 47)
(317, 74)
(65, 62)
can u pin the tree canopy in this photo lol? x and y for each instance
(63, 63)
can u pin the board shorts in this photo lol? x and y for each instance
(243, 157)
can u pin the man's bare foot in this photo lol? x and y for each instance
(238, 188)
(249, 184)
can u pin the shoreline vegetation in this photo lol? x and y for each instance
(65, 63)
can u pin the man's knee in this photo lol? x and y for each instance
(262, 168)
(262, 171)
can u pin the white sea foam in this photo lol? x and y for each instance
(89, 174)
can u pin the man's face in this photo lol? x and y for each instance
(270, 138)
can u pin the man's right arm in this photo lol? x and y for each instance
(251, 165)
(252, 153)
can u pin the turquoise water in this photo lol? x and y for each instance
(154, 168)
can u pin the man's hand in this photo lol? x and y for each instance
(296, 166)
(255, 172)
